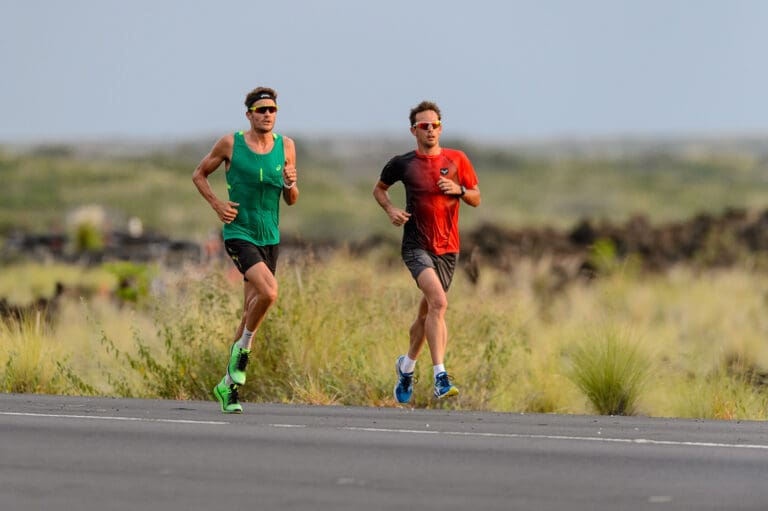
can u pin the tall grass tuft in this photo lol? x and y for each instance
(611, 371)
(30, 357)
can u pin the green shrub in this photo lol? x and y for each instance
(611, 371)
(133, 280)
(88, 238)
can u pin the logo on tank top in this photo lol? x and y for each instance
(277, 169)
(444, 172)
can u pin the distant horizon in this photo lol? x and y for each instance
(389, 135)
(381, 146)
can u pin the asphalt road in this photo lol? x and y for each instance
(85, 454)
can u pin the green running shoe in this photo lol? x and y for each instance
(238, 360)
(227, 396)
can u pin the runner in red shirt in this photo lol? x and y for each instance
(436, 179)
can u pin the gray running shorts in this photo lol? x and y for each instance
(417, 260)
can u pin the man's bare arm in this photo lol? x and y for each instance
(220, 153)
(396, 215)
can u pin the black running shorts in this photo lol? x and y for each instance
(245, 254)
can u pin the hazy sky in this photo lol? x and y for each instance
(499, 69)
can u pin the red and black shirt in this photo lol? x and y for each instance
(434, 222)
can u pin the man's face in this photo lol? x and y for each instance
(427, 128)
(262, 115)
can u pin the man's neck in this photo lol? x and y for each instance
(429, 151)
(261, 142)
(259, 136)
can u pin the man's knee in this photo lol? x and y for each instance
(438, 303)
(263, 297)
(270, 295)
(267, 295)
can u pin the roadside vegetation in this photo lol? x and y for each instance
(664, 345)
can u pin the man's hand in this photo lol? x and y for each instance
(227, 210)
(448, 187)
(398, 216)
(289, 174)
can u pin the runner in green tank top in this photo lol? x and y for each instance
(260, 169)
(255, 181)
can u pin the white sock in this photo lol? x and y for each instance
(407, 365)
(245, 341)
(227, 380)
(439, 368)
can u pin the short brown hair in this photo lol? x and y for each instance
(423, 107)
(259, 93)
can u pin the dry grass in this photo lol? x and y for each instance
(339, 324)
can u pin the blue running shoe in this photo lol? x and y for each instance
(404, 386)
(443, 386)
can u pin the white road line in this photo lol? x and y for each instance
(636, 441)
(642, 441)
(108, 418)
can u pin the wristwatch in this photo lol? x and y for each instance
(463, 191)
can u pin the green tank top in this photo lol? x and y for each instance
(255, 181)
